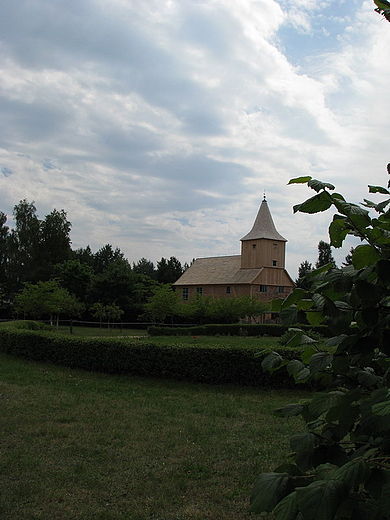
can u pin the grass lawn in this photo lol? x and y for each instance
(80, 445)
(103, 332)
(236, 341)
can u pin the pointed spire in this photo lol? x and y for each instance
(264, 226)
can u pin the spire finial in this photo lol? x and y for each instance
(264, 196)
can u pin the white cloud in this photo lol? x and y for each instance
(157, 125)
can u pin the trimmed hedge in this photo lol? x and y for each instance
(236, 329)
(212, 365)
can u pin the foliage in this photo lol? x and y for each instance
(340, 467)
(106, 312)
(29, 252)
(76, 277)
(324, 255)
(26, 325)
(232, 329)
(303, 270)
(163, 303)
(197, 309)
(55, 238)
(145, 267)
(114, 283)
(289, 336)
(46, 299)
(348, 258)
(383, 8)
(222, 310)
(168, 271)
(193, 363)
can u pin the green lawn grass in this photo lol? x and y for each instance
(80, 445)
(103, 332)
(235, 341)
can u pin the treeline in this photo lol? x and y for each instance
(37, 251)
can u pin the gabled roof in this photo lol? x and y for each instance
(223, 270)
(264, 226)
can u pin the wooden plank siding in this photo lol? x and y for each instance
(264, 252)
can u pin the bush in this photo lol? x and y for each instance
(26, 325)
(212, 365)
(236, 329)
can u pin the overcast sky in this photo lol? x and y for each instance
(157, 125)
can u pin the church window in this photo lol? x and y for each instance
(228, 289)
(199, 290)
(253, 246)
(281, 289)
(263, 288)
(274, 263)
(185, 293)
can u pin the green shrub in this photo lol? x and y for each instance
(291, 334)
(26, 325)
(236, 329)
(212, 365)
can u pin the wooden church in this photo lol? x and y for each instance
(258, 272)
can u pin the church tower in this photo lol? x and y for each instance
(263, 246)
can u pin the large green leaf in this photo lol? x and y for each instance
(353, 473)
(290, 316)
(317, 185)
(294, 366)
(371, 423)
(321, 499)
(305, 304)
(300, 180)
(320, 361)
(320, 202)
(378, 189)
(290, 410)
(303, 442)
(293, 298)
(338, 230)
(382, 4)
(325, 471)
(367, 379)
(268, 490)
(350, 210)
(276, 305)
(384, 500)
(336, 340)
(382, 408)
(287, 509)
(308, 353)
(314, 318)
(365, 255)
(302, 376)
(323, 401)
(272, 361)
(325, 304)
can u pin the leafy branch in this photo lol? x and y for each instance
(341, 462)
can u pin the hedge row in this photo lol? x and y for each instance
(236, 329)
(135, 357)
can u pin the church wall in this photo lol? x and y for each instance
(273, 276)
(265, 292)
(262, 252)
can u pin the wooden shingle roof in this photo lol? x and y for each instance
(223, 270)
(264, 226)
